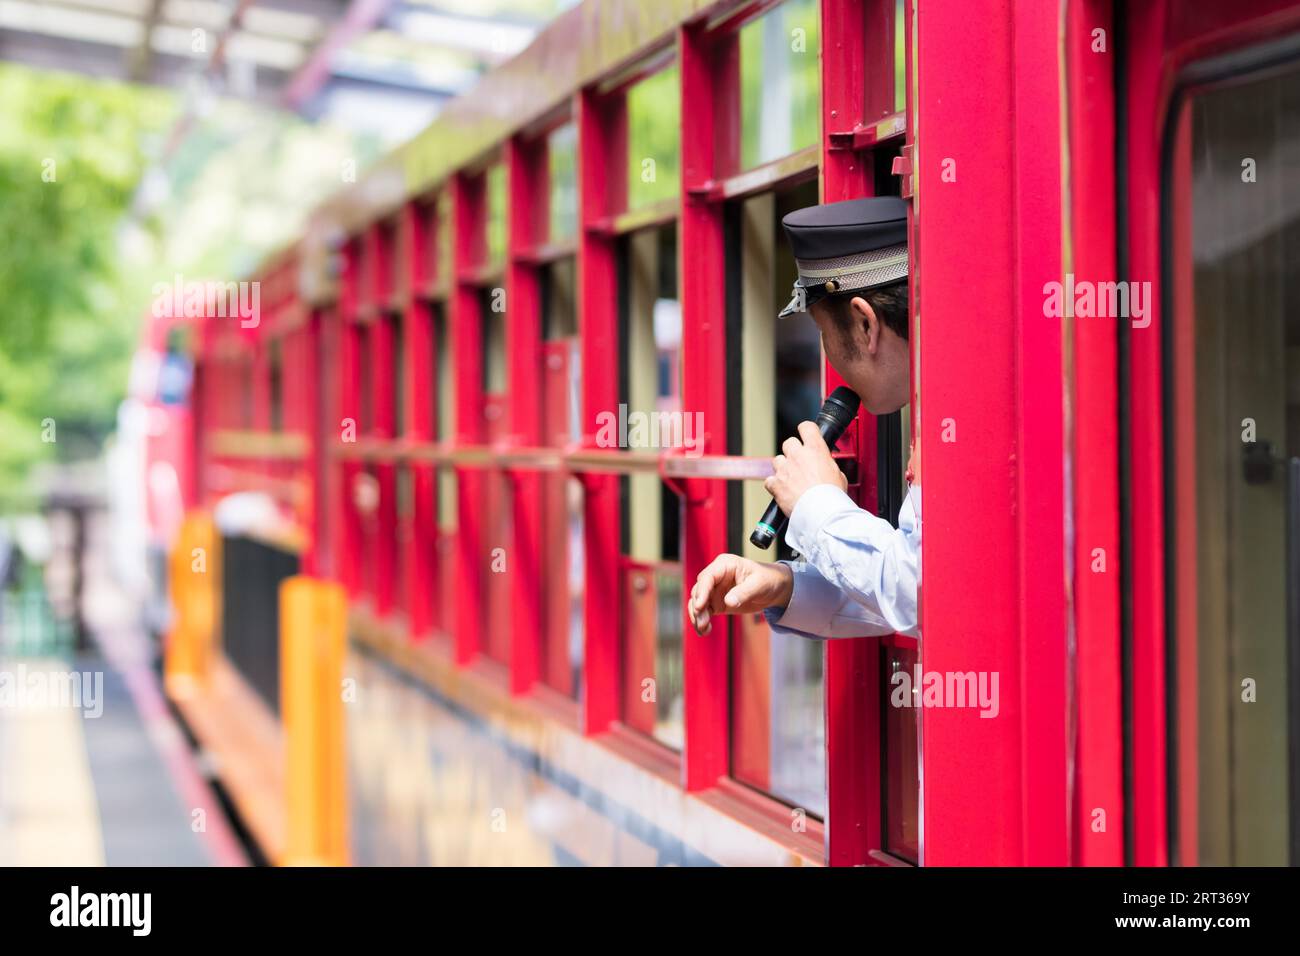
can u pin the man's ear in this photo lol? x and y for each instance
(865, 318)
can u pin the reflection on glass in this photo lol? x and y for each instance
(399, 376)
(275, 374)
(778, 712)
(496, 213)
(1236, 353)
(562, 505)
(651, 511)
(444, 251)
(653, 132)
(900, 57)
(445, 418)
(780, 82)
(902, 781)
(491, 302)
(562, 159)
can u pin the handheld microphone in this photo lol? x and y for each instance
(841, 407)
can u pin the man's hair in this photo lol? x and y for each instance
(889, 302)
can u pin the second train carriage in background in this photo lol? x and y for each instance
(596, 225)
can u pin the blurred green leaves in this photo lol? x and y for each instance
(71, 152)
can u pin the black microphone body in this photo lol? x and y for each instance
(840, 408)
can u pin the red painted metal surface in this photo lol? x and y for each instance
(528, 192)
(970, 485)
(602, 154)
(466, 330)
(1015, 412)
(1098, 802)
(1182, 484)
(852, 36)
(708, 83)
(1163, 39)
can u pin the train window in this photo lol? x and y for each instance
(444, 417)
(886, 59)
(778, 723)
(562, 163)
(365, 398)
(399, 375)
(492, 309)
(495, 187)
(651, 387)
(780, 82)
(246, 394)
(444, 421)
(562, 502)
(901, 781)
(1233, 244)
(443, 246)
(276, 384)
(497, 507)
(653, 132)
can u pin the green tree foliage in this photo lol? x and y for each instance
(71, 152)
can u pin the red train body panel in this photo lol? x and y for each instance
(421, 397)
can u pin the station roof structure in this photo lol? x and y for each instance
(370, 65)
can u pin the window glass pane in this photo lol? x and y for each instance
(498, 525)
(445, 418)
(365, 395)
(778, 712)
(494, 340)
(496, 213)
(276, 385)
(1235, 470)
(652, 573)
(780, 82)
(444, 244)
(399, 376)
(562, 504)
(562, 159)
(902, 780)
(900, 57)
(653, 132)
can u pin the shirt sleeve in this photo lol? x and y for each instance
(859, 574)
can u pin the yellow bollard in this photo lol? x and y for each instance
(192, 571)
(313, 641)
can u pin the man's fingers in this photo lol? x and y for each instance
(792, 446)
(710, 578)
(812, 436)
(744, 591)
(769, 484)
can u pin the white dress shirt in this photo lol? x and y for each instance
(858, 575)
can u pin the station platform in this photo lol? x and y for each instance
(94, 769)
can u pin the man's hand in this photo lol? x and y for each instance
(804, 464)
(735, 585)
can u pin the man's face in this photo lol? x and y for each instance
(871, 359)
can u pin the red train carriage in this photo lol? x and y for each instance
(1104, 217)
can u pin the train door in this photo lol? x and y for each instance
(1214, 453)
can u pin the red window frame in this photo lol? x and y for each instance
(1165, 39)
(391, 271)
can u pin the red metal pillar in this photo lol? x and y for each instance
(1145, 32)
(527, 188)
(709, 81)
(981, 437)
(343, 432)
(1041, 503)
(852, 666)
(469, 208)
(602, 152)
(1098, 799)
(383, 550)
